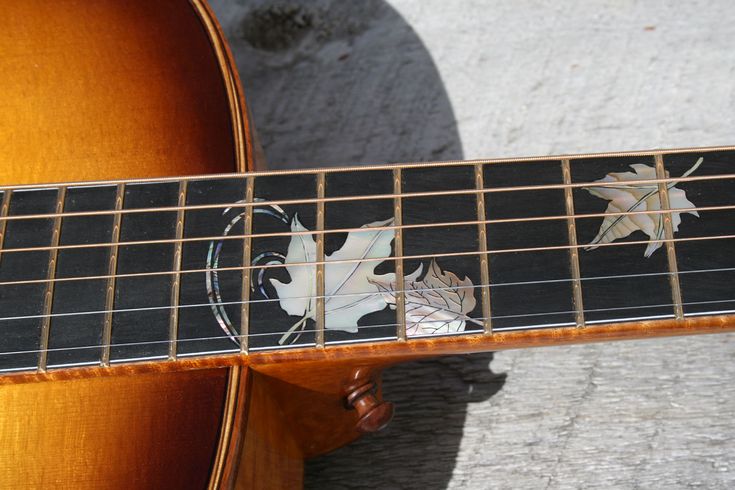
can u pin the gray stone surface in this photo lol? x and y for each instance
(334, 82)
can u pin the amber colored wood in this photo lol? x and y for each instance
(107, 90)
(232, 430)
(146, 431)
(104, 90)
(272, 457)
(296, 401)
(276, 427)
(309, 362)
(309, 386)
(110, 89)
(286, 423)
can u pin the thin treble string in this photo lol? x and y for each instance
(195, 339)
(445, 224)
(352, 295)
(376, 326)
(405, 195)
(371, 259)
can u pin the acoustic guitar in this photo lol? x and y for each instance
(196, 326)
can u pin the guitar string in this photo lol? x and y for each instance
(420, 226)
(497, 221)
(638, 184)
(475, 222)
(361, 294)
(373, 259)
(382, 325)
(546, 159)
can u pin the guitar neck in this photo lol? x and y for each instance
(412, 259)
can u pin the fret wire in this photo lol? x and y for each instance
(574, 251)
(346, 169)
(48, 296)
(229, 303)
(482, 241)
(320, 279)
(4, 209)
(226, 303)
(518, 283)
(173, 325)
(663, 190)
(246, 257)
(666, 214)
(377, 259)
(408, 195)
(528, 327)
(469, 254)
(398, 252)
(376, 228)
(111, 272)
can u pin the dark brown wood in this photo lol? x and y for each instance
(374, 415)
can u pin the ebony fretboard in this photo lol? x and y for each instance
(117, 272)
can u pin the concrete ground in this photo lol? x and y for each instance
(334, 82)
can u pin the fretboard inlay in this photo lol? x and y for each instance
(165, 269)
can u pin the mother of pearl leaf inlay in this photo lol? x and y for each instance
(625, 198)
(439, 303)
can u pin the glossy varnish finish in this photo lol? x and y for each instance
(99, 90)
(108, 89)
(144, 89)
(143, 431)
(272, 457)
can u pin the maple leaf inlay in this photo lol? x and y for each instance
(349, 292)
(437, 304)
(624, 198)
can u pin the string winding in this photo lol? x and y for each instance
(235, 212)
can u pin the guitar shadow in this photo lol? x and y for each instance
(338, 83)
(333, 83)
(419, 448)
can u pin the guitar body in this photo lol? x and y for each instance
(136, 89)
(108, 90)
(143, 431)
(112, 90)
